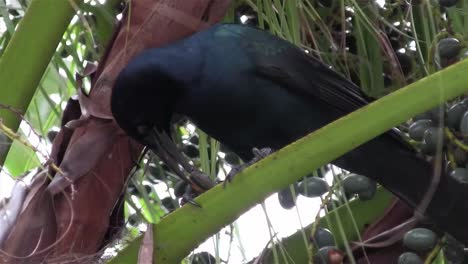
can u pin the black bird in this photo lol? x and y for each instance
(248, 88)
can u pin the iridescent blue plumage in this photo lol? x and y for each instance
(248, 88)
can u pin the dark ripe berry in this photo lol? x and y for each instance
(148, 189)
(51, 135)
(417, 129)
(13, 12)
(191, 151)
(134, 219)
(420, 239)
(179, 188)
(202, 258)
(434, 136)
(455, 114)
(313, 187)
(169, 204)
(244, 14)
(322, 238)
(120, 6)
(194, 139)
(64, 53)
(448, 48)
(409, 258)
(447, 3)
(369, 193)
(286, 199)
(355, 183)
(405, 62)
(464, 124)
(328, 255)
(460, 175)
(232, 158)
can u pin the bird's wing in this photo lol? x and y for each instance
(282, 62)
(322, 84)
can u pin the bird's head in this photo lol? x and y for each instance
(143, 102)
(143, 99)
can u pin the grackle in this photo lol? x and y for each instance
(248, 88)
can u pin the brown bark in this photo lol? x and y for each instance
(70, 214)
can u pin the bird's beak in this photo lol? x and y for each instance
(162, 145)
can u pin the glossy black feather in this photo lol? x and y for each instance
(248, 89)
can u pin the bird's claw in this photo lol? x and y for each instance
(190, 201)
(188, 197)
(198, 183)
(258, 155)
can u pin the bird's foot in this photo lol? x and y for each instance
(199, 183)
(189, 196)
(258, 155)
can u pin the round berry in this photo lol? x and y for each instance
(417, 129)
(420, 239)
(448, 47)
(313, 187)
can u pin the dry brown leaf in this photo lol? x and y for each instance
(95, 156)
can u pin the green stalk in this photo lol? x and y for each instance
(105, 18)
(364, 212)
(181, 231)
(421, 24)
(369, 47)
(28, 53)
